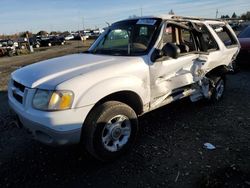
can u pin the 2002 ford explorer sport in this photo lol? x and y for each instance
(135, 66)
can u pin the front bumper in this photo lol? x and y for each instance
(51, 128)
(50, 136)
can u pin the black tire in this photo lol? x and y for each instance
(18, 52)
(10, 53)
(95, 130)
(1, 52)
(236, 67)
(218, 88)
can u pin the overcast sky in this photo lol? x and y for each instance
(61, 15)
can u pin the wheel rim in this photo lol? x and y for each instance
(219, 89)
(116, 133)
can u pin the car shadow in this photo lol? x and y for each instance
(6, 114)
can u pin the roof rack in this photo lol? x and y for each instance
(194, 18)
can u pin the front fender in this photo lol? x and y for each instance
(112, 85)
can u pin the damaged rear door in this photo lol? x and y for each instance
(221, 44)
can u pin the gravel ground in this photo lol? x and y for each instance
(169, 150)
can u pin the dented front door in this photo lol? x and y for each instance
(171, 74)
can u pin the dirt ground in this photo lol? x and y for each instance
(7, 64)
(169, 150)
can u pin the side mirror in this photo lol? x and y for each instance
(171, 50)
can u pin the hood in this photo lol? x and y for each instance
(245, 43)
(48, 74)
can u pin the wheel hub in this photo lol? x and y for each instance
(219, 89)
(116, 133)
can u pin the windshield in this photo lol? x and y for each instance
(131, 37)
(245, 33)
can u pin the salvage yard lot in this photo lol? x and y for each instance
(169, 149)
(7, 64)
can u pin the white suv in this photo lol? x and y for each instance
(135, 66)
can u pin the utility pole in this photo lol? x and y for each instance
(83, 27)
(141, 11)
(216, 13)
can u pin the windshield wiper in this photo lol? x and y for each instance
(87, 52)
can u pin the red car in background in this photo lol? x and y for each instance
(244, 55)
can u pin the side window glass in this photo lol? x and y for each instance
(225, 35)
(208, 39)
(186, 43)
(168, 35)
(182, 38)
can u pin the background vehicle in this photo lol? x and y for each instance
(69, 37)
(134, 67)
(52, 40)
(244, 39)
(35, 42)
(7, 47)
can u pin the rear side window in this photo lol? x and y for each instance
(225, 35)
(209, 41)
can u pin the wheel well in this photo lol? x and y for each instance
(128, 97)
(218, 71)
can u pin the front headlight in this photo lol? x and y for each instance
(53, 100)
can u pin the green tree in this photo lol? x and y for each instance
(234, 15)
(245, 16)
(133, 16)
(224, 16)
(42, 33)
(25, 34)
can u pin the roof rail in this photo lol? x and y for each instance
(194, 18)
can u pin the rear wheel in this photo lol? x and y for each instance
(218, 89)
(110, 130)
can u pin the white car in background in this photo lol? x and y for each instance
(69, 37)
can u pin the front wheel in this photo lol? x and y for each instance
(110, 130)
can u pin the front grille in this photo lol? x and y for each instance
(19, 86)
(18, 98)
(18, 91)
